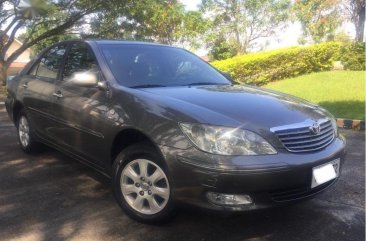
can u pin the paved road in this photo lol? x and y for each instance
(51, 197)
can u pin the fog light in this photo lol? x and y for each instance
(229, 199)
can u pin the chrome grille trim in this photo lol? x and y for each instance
(299, 138)
(321, 137)
(304, 136)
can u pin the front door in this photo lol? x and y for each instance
(81, 110)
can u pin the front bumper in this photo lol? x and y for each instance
(270, 180)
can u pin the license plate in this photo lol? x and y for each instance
(324, 173)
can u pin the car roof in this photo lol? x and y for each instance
(108, 41)
(126, 42)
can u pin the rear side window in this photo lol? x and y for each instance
(79, 59)
(49, 65)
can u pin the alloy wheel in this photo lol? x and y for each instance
(23, 130)
(145, 186)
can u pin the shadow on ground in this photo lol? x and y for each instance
(52, 197)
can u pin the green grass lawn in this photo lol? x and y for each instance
(340, 92)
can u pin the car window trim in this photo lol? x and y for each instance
(66, 55)
(37, 60)
(66, 44)
(35, 64)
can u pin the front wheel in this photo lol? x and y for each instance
(141, 184)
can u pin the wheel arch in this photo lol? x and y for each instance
(17, 108)
(128, 137)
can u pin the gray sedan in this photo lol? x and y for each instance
(168, 128)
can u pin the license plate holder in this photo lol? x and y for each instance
(325, 173)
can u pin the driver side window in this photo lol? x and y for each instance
(49, 65)
(79, 59)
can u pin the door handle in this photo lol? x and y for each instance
(58, 94)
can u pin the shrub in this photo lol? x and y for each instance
(223, 49)
(261, 68)
(352, 56)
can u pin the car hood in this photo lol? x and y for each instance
(249, 107)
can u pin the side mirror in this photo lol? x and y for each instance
(227, 76)
(9, 78)
(84, 79)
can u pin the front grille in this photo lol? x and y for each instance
(298, 193)
(302, 138)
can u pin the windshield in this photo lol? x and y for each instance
(143, 66)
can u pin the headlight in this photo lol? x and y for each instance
(226, 141)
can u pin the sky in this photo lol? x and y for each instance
(191, 4)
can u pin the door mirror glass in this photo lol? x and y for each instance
(9, 78)
(81, 68)
(84, 79)
(227, 76)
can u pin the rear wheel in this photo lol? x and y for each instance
(141, 184)
(25, 135)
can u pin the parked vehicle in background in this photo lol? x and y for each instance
(169, 128)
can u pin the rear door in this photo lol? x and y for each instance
(39, 90)
(81, 110)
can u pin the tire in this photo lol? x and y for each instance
(26, 135)
(141, 184)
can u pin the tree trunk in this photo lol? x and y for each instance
(3, 72)
(360, 24)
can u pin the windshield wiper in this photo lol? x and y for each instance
(147, 86)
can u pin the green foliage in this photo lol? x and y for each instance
(193, 30)
(245, 22)
(222, 49)
(150, 20)
(41, 19)
(343, 37)
(53, 15)
(352, 56)
(261, 68)
(38, 47)
(340, 92)
(319, 18)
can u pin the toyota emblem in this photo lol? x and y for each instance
(315, 128)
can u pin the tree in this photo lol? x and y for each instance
(223, 49)
(246, 22)
(38, 47)
(192, 30)
(319, 18)
(356, 13)
(42, 19)
(152, 20)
